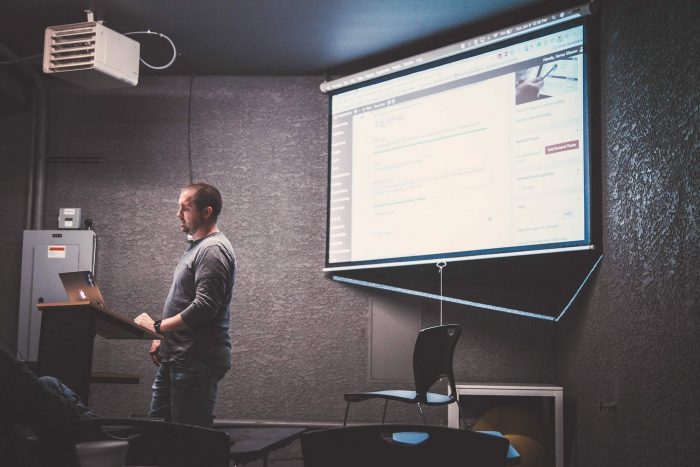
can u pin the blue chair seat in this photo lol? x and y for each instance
(402, 396)
(410, 437)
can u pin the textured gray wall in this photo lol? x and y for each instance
(15, 133)
(300, 339)
(633, 339)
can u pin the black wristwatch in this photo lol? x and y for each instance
(156, 325)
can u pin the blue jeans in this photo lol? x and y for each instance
(55, 385)
(185, 392)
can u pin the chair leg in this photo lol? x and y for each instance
(425, 422)
(347, 409)
(386, 402)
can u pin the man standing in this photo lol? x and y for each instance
(196, 351)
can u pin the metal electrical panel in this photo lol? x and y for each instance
(45, 253)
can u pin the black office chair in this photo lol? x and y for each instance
(150, 442)
(381, 446)
(432, 360)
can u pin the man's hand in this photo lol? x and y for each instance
(146, 321)
(155, 346)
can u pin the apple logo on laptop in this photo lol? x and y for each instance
(82, 295)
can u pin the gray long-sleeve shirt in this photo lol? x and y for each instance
(201, 291)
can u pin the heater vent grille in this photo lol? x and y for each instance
(91, 55)
(72, 49)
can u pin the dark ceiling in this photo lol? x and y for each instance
(274, 37)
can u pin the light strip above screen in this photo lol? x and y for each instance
(481, 154)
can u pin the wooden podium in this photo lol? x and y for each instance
(65, 344)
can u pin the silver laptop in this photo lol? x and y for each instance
(81, 286)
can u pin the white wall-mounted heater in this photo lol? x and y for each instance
(91, 55)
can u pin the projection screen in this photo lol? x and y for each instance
(479, 149)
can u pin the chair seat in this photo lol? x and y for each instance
(401, 396)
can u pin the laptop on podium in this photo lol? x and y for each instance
(81, 286)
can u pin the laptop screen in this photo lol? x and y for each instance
(81, 286)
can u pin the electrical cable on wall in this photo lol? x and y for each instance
(149, 32)
(440, 265)
(189, 130)
(186, 62)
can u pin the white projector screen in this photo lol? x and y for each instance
(484, 153)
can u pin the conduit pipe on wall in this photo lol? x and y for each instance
(41, 137)
(28, 218)
(36, 173)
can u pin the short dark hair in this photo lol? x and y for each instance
(206, 195)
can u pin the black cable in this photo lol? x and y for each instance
(189, 129)
(21, 60)
(186, 62)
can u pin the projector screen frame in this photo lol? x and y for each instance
(589, 142)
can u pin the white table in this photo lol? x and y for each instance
(517, 390)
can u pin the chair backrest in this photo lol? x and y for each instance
(150, 442)
(374, 446)
(432, 357)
